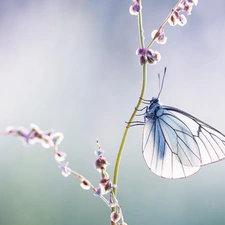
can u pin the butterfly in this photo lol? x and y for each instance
(175, 143)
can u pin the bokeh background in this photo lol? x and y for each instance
(71, 65)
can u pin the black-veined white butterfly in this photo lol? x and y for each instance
(176, 144)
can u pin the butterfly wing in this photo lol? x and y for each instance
(211, 142)
(176, 144)
(169, 147)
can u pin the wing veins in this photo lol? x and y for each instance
(149, 135)
(173, 153)
(196, 120)
(203, 143)
(175, 130)
(212, 136)
(209, 143)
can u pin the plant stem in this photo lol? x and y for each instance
(144, 78)
(140, 28)
(116, 170)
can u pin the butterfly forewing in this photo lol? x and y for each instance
(182, 141)
(167, 144)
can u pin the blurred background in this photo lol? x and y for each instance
(71, 65)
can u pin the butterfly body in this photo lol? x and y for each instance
(176, 144)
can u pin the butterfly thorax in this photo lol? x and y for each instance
(154, 110)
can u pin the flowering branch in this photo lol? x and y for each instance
(174, 18)
(51, 139)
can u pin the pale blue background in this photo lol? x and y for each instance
(71, 65)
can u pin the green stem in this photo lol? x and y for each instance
(144, 78)
(140, 28)
(116, 170)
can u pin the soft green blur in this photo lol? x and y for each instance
(71, 65)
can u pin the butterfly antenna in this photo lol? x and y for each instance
(161, 85)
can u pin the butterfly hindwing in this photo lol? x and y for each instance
(211, 142)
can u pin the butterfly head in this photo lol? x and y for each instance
(154, 100)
